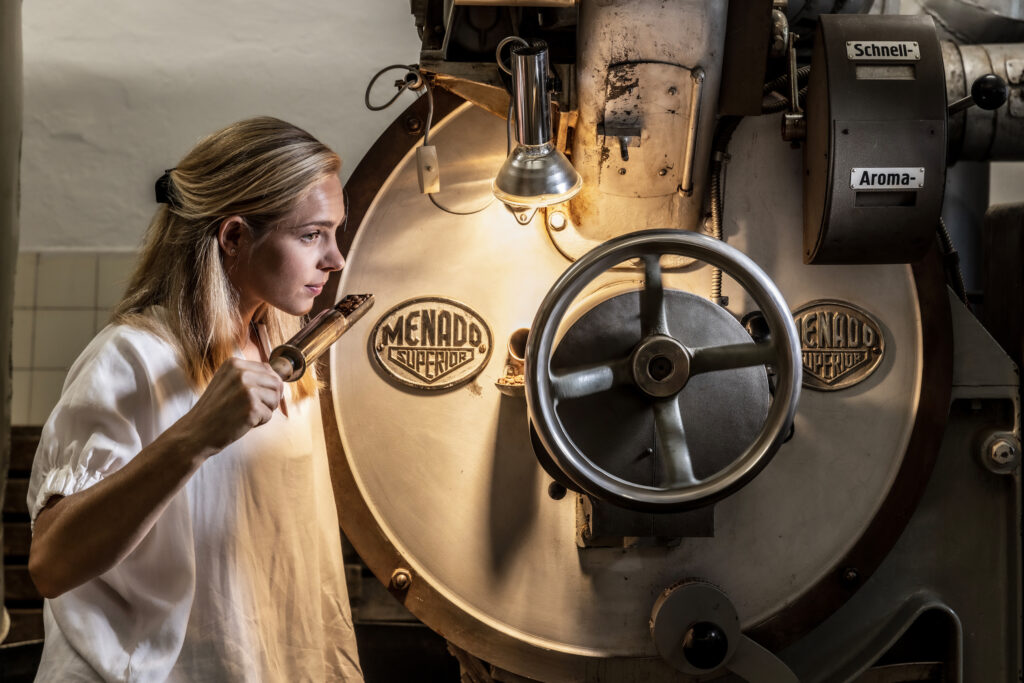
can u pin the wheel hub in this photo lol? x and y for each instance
(661, 366)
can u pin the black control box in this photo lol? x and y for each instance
(875, 153)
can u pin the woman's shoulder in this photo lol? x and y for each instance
(140, 340)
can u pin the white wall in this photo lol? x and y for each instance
(117, 91)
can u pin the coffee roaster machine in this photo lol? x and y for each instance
(672, 373)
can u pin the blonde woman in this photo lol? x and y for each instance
(184, 523)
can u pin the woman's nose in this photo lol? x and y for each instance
(333, 260)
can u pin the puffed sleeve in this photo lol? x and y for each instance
(104, 417)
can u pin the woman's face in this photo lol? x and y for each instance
(288, 267)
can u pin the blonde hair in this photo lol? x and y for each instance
(258, 169)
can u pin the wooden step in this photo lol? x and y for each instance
(14, 500)
(26, 624)
(24, 442)
(18, 584)
(17, 539)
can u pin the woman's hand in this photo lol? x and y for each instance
(242, 394)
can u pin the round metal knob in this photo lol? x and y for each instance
(989, 92)
(705, 645)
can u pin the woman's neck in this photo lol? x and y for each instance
(248, 337)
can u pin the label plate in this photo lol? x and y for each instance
(883, 50)
(887, 178)
(431, 343)
(841, 345)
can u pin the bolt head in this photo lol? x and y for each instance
(413, 125)
(557, 220)
(401, 579)
(1002, 451)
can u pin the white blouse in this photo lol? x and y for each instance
(240, 579)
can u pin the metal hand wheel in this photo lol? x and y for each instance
(659, 367)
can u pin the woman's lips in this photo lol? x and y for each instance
(314, 289)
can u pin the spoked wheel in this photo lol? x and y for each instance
(659, 367)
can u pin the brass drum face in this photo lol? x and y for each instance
(446, 486)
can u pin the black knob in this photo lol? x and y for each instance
(705, 645)
(757, 326)
(990, 92)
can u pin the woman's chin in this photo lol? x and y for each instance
(297, 308)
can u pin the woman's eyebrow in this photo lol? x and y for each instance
(319, 224)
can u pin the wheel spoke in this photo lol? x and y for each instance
(652, 299)
(730, 356)
(587, 380)
(674, 454)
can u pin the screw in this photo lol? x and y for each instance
(1002, 451)
(413, 125)
(380, 347)
(429, 168)
(482, 348)
(672, 90)
(663, 171)
(401, 579)
(622, 171)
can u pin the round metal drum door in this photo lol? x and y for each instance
(438, 485)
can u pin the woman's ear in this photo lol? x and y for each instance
(232, 235)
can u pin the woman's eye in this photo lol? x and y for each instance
(311, 236)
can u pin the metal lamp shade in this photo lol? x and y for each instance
(536, 175)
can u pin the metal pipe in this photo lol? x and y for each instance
(532, 100)
(686, 184)
(290, 360)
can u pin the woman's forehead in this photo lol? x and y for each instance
(324, 202)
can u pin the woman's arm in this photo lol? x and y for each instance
(83, 535)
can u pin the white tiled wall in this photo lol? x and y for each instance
(61, 299)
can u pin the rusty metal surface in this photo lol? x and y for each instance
(689, 35)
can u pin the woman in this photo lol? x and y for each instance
(184, 522)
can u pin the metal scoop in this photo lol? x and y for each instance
(289, 360)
